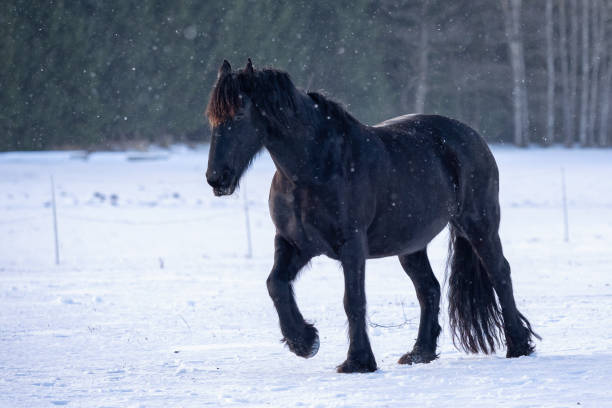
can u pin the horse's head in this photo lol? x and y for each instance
(237, 129)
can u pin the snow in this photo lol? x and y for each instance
(155, 304)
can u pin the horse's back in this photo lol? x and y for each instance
(454, 142)
(432, 126)
(398, 120)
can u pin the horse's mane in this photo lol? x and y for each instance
(331, 109)
(273, 93)
(271, 90)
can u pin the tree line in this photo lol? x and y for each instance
(90, 74)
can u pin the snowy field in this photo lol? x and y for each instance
(155, 303)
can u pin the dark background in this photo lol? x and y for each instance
(104, 74)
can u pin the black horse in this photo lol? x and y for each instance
(354, 192)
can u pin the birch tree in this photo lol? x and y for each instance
(573, 75)
(583, 134)
(603, 139)
(550, 67)
(598, 30)
(606, 82)
(512, 20)
(421, 91)
(564, 64)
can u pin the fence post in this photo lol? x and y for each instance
(564, 198)
(247, 220)
(55, 235)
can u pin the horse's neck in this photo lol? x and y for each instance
(298, 150)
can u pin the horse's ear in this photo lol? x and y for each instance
(249, 67)
(225, 68)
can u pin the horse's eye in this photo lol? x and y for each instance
(239, 116)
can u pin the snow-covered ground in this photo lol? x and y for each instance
(155, 304)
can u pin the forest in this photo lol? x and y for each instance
(108, 74)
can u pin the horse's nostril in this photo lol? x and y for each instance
(227, 175)
(219, 178)
(212, 178)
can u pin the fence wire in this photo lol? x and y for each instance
(132, 222)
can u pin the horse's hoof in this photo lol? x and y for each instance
(315, 348)
(417, 358)
(306, 345)
(354, 366)
(519, 351)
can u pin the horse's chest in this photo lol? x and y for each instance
(312, 222)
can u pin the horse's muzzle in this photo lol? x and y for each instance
(223, 183)
(223, 191)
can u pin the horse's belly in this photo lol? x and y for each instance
(404, 240)
(407, 225)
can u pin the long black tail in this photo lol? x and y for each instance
(476, 320)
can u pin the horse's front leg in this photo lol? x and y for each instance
(360, 357)
(301, 337)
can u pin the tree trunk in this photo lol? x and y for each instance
(583, 135)
(550, 67)
(604, 115)
(606, 81)
(512, 20)
(421, 91)
(573, 75)
(564, 57)
(598, 30)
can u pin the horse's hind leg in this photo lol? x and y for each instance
(417, 267)
(482, 233)
(301, 337)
